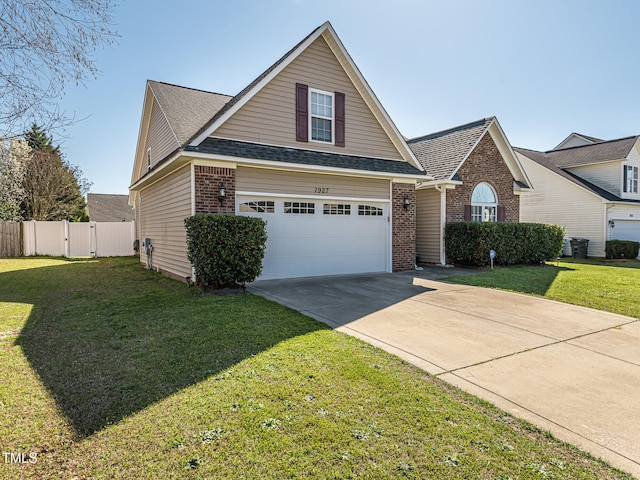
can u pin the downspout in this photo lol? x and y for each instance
(193, 278)
(443, 216)
(607, 227)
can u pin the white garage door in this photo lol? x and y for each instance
(626, 230)
(310, 237)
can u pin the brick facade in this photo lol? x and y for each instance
(404, 227)
(485, 164)
(208, 181)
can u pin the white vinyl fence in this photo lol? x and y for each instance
(79, 239)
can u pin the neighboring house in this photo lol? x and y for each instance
(476, 177)
(587, 185)
(306, 146)
(577, 140)
(109, 208)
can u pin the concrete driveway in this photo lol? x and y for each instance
(570, 370)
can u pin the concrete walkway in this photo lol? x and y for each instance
(570, 370)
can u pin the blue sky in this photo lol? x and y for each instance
(544, 68)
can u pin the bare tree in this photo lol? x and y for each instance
(13, 155)
(44, 45)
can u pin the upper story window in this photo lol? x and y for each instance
(484, 204)
(321, 125)
(320, 116)
(630, 179)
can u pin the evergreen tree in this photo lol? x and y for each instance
(53, 188)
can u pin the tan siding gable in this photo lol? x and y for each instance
(293, 183)
(558, 201)
(269, 117)
(163, 208)
(160, 138)
(428, 224)
(605, 175)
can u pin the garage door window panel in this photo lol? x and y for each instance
(304, 208)
(336, 209)
(259, 206)
(369, 211)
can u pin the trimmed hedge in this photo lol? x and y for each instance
(621, 249)
(514, 243)
(225, 250)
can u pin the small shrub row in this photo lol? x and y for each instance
(514, 243)
(225, 250)
(621, 249)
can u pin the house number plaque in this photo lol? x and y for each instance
(321, 190)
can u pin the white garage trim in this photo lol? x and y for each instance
(318, 243)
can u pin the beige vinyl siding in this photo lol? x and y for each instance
(604, 175)
(625, 212)
(428, 225)
(163, 208)
(559, 201)
(294, 183)
(270, 116)
(160, 139)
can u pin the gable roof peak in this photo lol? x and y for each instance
(330, 36)
(588, 140)
(153, 83)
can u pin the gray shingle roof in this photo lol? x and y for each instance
(109, 208)
(589, 154)
(234, 148)
(187, 109)
(542, 159)
(442, 153)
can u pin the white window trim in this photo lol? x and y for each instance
(333, 116)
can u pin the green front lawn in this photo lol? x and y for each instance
(612, 286)
(108, 370)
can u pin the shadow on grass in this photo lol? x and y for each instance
(534, 280)
(108, 338)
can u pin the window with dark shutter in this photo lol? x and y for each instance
(501, 213)
(467, 213)
(302, 112)
(625, 180)
(339, 113)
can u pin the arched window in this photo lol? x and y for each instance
(484, 204)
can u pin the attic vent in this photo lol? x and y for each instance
(149, 159)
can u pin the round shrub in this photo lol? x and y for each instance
(225, 250)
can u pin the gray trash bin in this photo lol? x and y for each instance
(579, 247)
